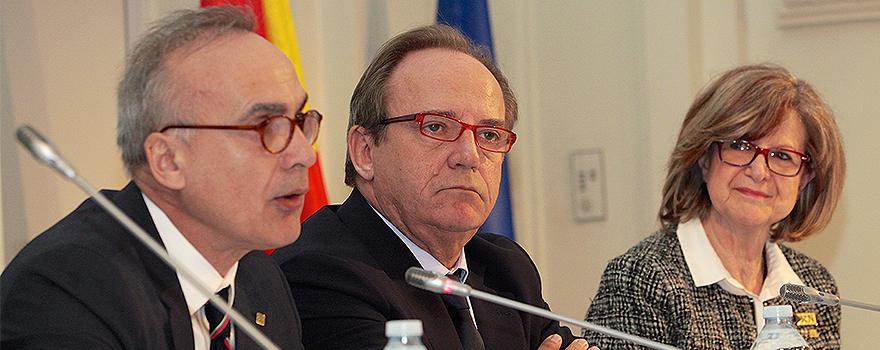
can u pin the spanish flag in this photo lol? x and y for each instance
(275, 23)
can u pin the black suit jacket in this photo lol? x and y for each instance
(347, 273)
(87, 283)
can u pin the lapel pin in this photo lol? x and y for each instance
(261, 319)
(806, 319)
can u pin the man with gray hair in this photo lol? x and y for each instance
(429, 126)
(213, 135)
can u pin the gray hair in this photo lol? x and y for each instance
(368, 102)
(145, 101)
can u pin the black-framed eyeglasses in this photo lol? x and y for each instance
(445, 128)
(275, 131)
(780, 161)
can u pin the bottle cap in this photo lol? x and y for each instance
(777, 311)
(401, 328)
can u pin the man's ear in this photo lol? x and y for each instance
(360, 146)
(164, 158)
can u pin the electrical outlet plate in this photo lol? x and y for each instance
(587, 185)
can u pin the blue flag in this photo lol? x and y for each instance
(472, 18)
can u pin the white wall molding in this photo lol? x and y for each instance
(800, 13)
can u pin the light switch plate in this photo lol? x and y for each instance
(587, 185)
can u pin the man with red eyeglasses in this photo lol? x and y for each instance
(213, 135)
(429, 127)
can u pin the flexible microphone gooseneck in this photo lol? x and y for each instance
(43, 151)
(438, 283)
(810, 296)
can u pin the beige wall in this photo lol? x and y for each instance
(843, 61)
(60, 64)
(612, 75)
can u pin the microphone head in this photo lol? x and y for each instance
(435, 282)
(794, 292)
(807, 295)
(43, 150)
(35, 143)
(424, 279)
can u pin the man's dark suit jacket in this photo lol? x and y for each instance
(87, 283)
(347, 270)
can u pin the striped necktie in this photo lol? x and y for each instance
(218, 322)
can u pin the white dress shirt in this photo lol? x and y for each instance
(706, 267)
(180, 249)
(429, 262)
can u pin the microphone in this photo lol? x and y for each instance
(438, 283)
(435, 282)
(44, 152)
(806, 295)
(810, 296)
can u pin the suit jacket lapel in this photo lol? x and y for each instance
(439, 332)
(247, 306)
(394, 258)
(130, 200)
(502, 327)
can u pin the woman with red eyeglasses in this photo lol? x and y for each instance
(758, 162)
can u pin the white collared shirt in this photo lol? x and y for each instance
(180, 249)
(706, 267)
(429, 262)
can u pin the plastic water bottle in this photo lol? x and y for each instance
(779, 333)
(404, 335)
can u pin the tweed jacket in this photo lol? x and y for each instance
(649, 292)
